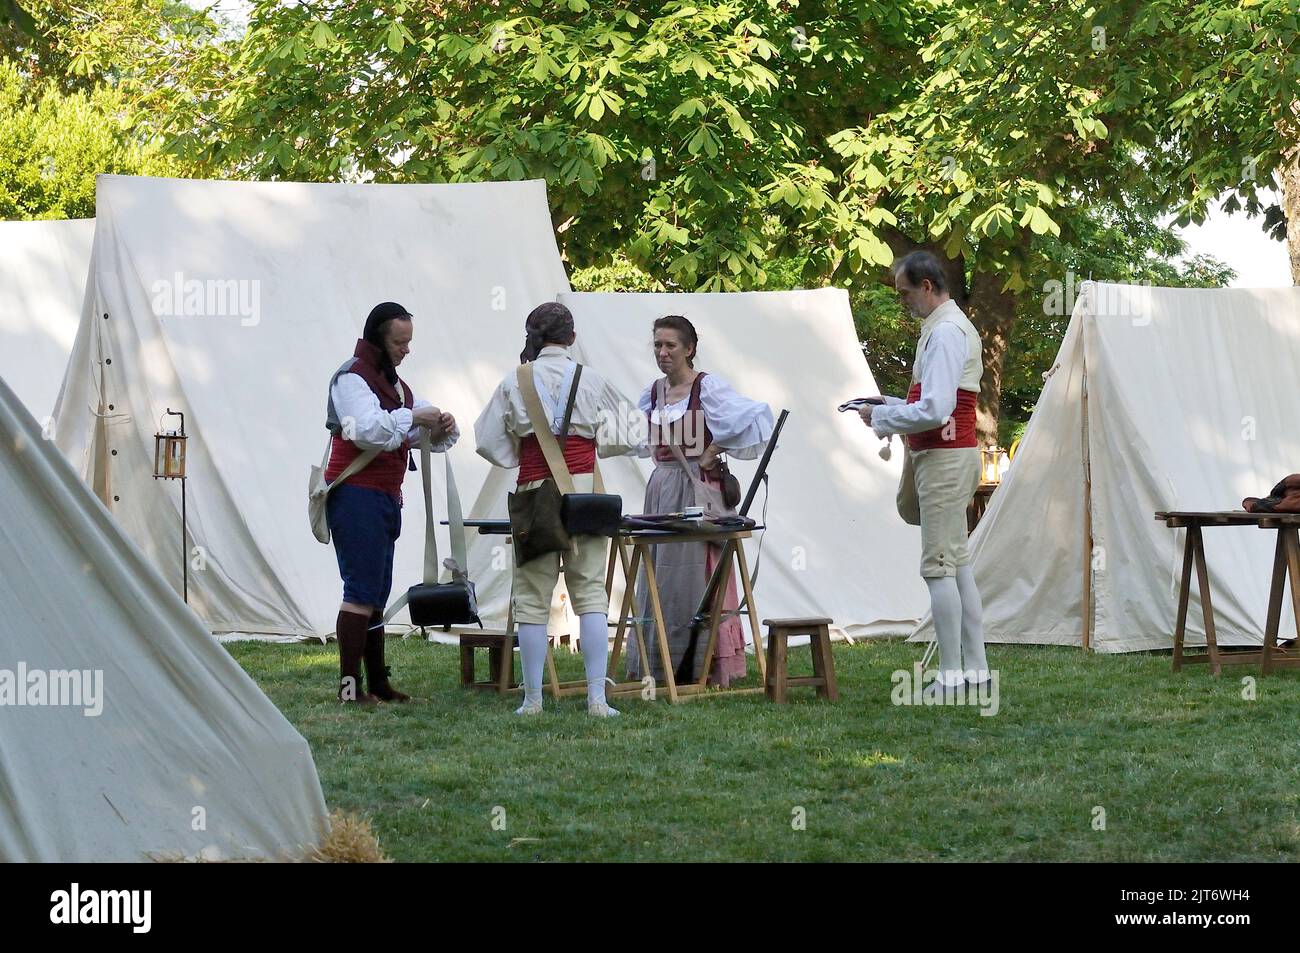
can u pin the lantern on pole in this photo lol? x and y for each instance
(169, 464)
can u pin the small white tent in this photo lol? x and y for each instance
(126, 732)
(835, 546)
(43, 269)
(234, 302)
(1160, 399)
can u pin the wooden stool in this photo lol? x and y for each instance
(501, 658)
(778, 630)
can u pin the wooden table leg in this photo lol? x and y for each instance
(609, 571)
(665, 656)
(779, 690)
(466, 664)
(1275, 593)
(823, 663)
(718, 609)
(1292, 545)
(753, 610)
(1184, 594)
(1207, 608)
(638, 629)
(627, 608)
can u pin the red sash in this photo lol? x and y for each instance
(959, 431)
(579, 456)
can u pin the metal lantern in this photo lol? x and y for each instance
(989, 464)
(169, 452)
(169, 464)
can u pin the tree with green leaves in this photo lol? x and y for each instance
(1039, 127)
(57, 142)
(702, 145)
(161, 56)
(686, 138)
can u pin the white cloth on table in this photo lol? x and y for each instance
(600, 412)
(739, 426)
(372, 427)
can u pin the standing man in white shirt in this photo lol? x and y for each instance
(506, 438)
(371, 408)
(938, 421)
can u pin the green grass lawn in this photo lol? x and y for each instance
(1184, 768)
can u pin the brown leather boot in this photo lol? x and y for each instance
(376, 671)
(351, 631)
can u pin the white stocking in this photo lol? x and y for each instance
(532, 654)
(945, 607)
(594, 630)
(972, 625)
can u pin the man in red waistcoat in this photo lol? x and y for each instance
(370, 407)
(938, 419)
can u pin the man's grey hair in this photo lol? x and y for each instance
(920, 265)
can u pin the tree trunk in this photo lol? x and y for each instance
(1291, 206)
(993, 312)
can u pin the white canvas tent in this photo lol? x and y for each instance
(234, 302)
(1160, 399)
(160, 745)
(836, 546)
(43, 269)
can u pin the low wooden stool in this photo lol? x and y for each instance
(501, 658)
(778, 631)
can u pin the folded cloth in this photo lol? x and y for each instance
(857, 403)
(1283, 498)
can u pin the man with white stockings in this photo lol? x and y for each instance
(938, 419)
(505, 436)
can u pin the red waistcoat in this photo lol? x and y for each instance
(386, 471)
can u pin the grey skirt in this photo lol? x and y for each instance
(682, 571)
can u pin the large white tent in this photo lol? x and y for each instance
(294, 268)
(835, 545)
(234, 302)
(1160, 399)
(43, 269)
(126, 732)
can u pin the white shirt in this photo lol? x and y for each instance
(739, 425)
(939, 367)
(600, 413)
(373, 427)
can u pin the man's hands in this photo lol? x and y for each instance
(439, 423)
(709, 458)
(865, 412)
(446, 423)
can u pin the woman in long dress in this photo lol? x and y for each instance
(705, 417)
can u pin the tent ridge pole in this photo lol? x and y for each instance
(1086, 640)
